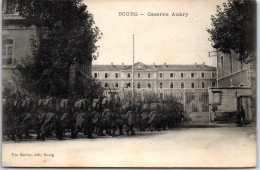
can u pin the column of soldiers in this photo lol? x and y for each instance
(50, 117)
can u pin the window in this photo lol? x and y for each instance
(11, 7)
(116, 84)
(241, 84)
(7, 52)
(161, 75)
(171, 75)
(106, 75)
(202, 75)
(213, 74)
(116, 75)
(182, 85)
(138, 85)
(171, 85)
(149, 75)
(192, 85)
(182, 75)
(106, 85)
(222, 61)
(216, 97)
(128, 75)
(161, 85)
(192, 75)
(149, 85)
(194, 107)
(138, 75)
(213, 84)
(95, 75)
(203, 85)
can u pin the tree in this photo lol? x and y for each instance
(234, 28)
(66, 35)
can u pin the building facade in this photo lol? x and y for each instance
(158, 80)
(236, 82)
(16, 49)
(16, 44)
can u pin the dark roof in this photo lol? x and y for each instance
(195, 67)
(107, 67)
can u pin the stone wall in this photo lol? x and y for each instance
(236, 79)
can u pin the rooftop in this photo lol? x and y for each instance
(163, 67)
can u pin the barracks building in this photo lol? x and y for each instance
(160, 80)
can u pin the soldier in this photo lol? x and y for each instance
(145, 116)
(89, 128)
(152, 119)
(164, 116)
(213, 113)
(243, 116)
(9, 118)
(48, 121)
(38, 117)
(138, 116)
(60, 116)
(106, 121)
(27, 117)
(158, 119)
(114, 120)
(80, 117)
(130, 122)
(100, 125)
(120, 121)
(96, 115)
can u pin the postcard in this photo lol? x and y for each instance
(120, 83)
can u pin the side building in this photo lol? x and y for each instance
(236, 87)
(16, 49)
(16, 45)
(187, 82)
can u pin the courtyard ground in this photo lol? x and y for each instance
(215, 146)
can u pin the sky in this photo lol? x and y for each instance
(158, 39)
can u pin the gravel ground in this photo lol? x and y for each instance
(182, 147)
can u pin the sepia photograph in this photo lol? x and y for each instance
(129, 84)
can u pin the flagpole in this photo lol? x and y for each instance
(133, 69)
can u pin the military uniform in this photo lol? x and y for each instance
(120, 123)
(114, 123)
(130, 122)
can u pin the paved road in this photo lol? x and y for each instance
(184, 147)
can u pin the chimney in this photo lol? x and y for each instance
(165, 65)
(203, 64)
(111, 65)
(196, 65)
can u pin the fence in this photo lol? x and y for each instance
(194, 100)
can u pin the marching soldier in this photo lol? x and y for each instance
(114, 120)
(89, 128)
(28, 109)
(120, 121)
(152, 119)
(48, 121)
(130, 122)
